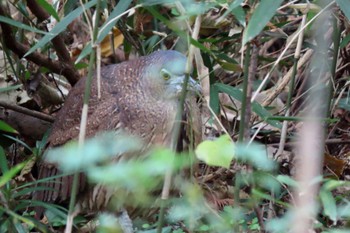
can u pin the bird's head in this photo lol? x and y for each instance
(166, 74)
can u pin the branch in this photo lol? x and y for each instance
(57, 42)
(58, 67)
(27, 111)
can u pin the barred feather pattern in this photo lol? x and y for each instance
(130, 100)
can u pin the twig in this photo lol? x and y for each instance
(270, 99)
(291, 77)
(20, 49)
(27, 111)
(57, 42)
(328, 142)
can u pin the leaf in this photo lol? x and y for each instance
(337, 166)
(331, 184)
(256, 107)
(344, 6)
(254, 154)
(49, 9)
(86, 51)
(219, 152)
(18, 141)
(344, 103)
(61, 26)
(230, 66)
(108, 223)
(329, 206)
(10, 88)
(106, 45)
(21, 25)
(3, 161)
(261, 16)
(214, 99)
(132, 174)
(287, 180)
(7, 128)
(232, 6)
(345, 41)
(8, 175)
(112, 19)
(100, 148)
(240, 15)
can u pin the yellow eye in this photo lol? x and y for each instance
(165, 75)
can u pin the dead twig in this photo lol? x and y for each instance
(27, 111)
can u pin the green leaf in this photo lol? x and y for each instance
(3, 161)
(61, 26)
(345, 41)
(344, 6)
(21, 25)
(134, 173)
(155, 2)
(86, 51)
(7, 128)
(330, 185)
(81, 65)
(344, 103)
(8, 175)
(108, 223)
(232, 6)
(214, 99)
(155, 13)
(102, 147)
(70, 5)
(256, 107)
(112, 19)
(18, 141)
(48, 7)
(329, 205)
(261, 16)
(230, 66)
(199, 45)
(219, 152)
(254, 154)
(240, 15)
(287, 180)
(10, 88)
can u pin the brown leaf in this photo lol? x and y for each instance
(336, 165)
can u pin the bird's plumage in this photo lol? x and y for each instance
(139, 96)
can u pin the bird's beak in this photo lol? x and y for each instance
(192, 86)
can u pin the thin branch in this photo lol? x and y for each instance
(57, 42)
(20, 49)
(27, 111)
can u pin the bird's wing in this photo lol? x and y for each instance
(101, 116)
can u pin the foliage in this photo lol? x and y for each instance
(246, 54)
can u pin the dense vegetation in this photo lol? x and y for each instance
(275, 150)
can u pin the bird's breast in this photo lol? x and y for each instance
(151, 120)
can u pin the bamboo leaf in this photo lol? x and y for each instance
(344, 6)
(61, 26)
(21, 25)
(261, 16)
(49, 9)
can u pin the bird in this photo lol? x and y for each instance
(140, 96)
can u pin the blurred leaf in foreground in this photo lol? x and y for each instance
(98, 149)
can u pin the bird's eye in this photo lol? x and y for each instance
(165, 74)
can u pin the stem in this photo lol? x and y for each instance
(244, 96)
(83, 120)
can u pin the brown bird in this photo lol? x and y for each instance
(140, 96)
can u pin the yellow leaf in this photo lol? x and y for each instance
(106, 46)
(219, 152)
